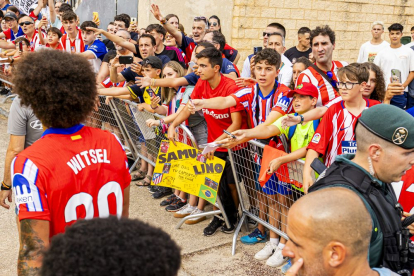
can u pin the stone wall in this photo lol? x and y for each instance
(350, 19)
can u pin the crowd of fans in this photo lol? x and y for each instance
(301, 93)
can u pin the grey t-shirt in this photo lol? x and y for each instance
(23, 122)
(196, 118)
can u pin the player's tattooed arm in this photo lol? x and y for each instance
(34, 239)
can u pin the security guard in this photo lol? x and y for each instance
(385, 151)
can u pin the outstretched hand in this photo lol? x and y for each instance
(290, 120)
(95, 30)
(155, 10)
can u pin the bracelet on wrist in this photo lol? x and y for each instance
(5, 187)
(301, 118)
(163, 21)
(153, 108)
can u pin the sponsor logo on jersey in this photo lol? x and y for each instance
(36, 124)
(21, 187)
(349, 147)
(316, 138)
(216, 116)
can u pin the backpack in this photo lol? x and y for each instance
(397, 255)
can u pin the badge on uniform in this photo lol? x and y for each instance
(349, 147)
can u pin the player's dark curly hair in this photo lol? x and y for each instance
(112, 247)
(323, 30)
(59, 87)
(270, 56)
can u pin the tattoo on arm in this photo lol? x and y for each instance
(31, 247)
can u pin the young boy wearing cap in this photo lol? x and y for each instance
(335, 134)
(304, 98)
(14, 30)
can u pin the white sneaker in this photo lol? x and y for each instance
(195, 220)
(184, 211)
(266, 252)
(276, 259)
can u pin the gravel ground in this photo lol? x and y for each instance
(200, 255)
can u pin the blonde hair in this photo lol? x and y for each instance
(168, 93)
(378, 23)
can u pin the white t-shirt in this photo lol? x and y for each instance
(400, 58)
(409, 45)
(285, 74)
(368, 51)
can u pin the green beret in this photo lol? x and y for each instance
(390, 123)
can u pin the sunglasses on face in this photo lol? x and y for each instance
(214, 24)
(27, 23)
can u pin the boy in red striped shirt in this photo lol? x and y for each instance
(335, 134)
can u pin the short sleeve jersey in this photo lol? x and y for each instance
(99, 50)
(258, 106)
(187, 45)
(70, 174)
(325, 89)
(142, 94)
(107, 83)
(302, 136)
(229, 52)
(23, 122)
(335, 134)
(217, 119)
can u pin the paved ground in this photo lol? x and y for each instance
(200, 255)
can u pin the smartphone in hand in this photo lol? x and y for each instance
(395, 76)
(126, 60)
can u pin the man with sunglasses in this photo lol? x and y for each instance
(270, 29)
(27, 25)
(14, 31)
(322, 74)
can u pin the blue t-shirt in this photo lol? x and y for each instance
(129, 75)
(411, 111)
(226, 68)
(385, 272)
(98, 48)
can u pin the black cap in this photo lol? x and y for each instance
(10, 15)
(153, 61)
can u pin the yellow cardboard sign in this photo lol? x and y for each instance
(184, 168)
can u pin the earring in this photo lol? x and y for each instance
(371, 168)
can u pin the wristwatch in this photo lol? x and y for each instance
(301, 118)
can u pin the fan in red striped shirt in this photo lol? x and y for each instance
(71, 41)
(335, 134)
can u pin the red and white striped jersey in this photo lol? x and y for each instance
(326, 91)
(35, 41)
(335, 134)
(257, 106)
(76, 46)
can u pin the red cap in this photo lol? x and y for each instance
(306, 89)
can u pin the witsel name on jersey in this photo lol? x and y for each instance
(93, 156)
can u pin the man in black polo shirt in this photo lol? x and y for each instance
(303, 48)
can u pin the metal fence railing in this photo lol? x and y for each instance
(267, 205)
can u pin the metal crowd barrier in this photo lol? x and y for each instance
(269, 206)
(141, 142)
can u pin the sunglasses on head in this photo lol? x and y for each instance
(27, 23)
(269, 34)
